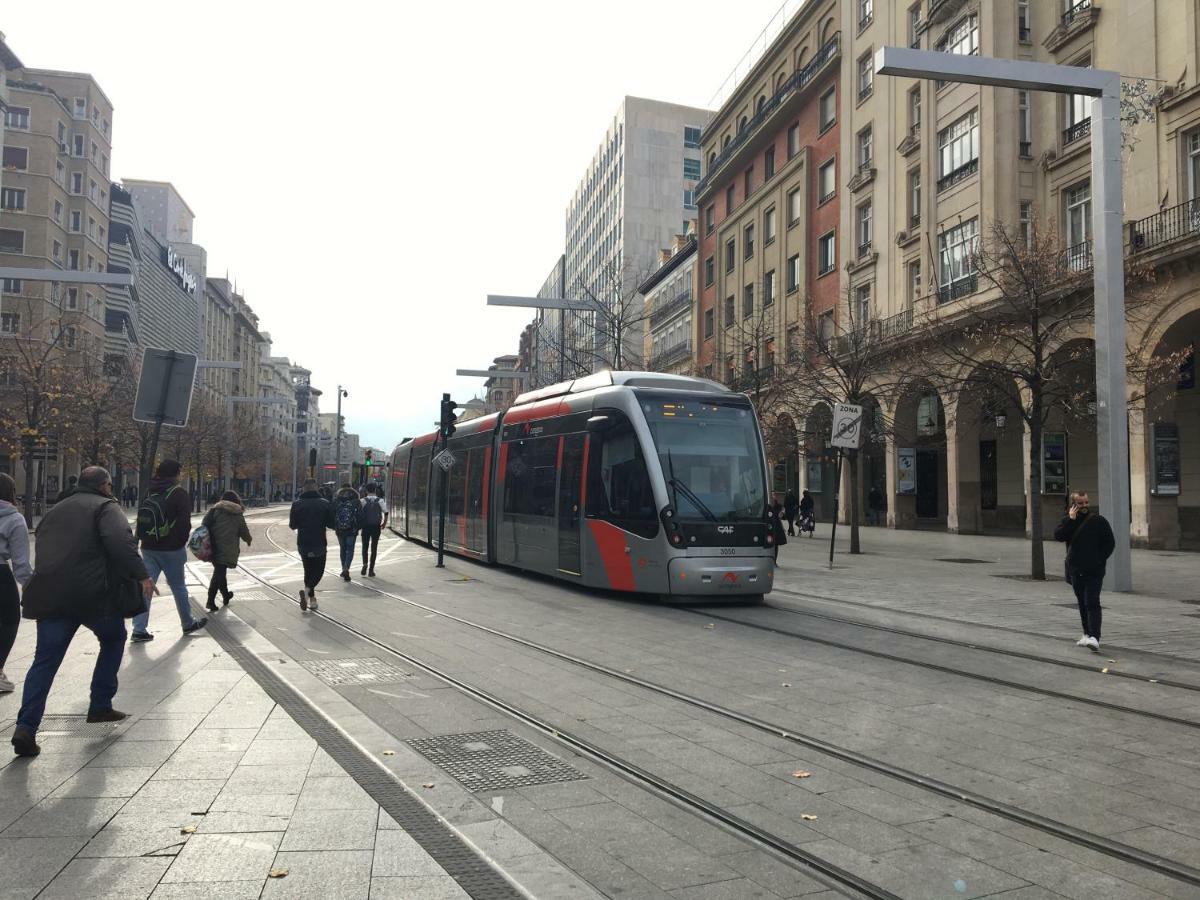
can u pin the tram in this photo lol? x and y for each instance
(629, 481)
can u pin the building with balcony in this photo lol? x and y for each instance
(500, 391)
(547, 361)
(669, 301)
(638, 191)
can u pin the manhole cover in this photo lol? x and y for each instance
(494, 760)
(963, 559)
(345, 672)
(74, 726)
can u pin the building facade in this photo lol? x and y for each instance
(500, 391)
(669, 303)
(547, 363)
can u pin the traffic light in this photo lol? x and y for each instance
(447, 419)
(367, 459)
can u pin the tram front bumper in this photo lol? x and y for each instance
(714, 576)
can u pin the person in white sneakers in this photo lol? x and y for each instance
(1090, 542)
(14, 552)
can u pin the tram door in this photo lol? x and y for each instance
(570, 484)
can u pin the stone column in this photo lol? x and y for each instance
(1139, 475)
(954, 517)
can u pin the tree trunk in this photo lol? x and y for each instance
(27, 462)
(1037, 550)
(852, 507)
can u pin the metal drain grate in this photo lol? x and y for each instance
(963, 559)
(494, 760)
(348, 672)
(75, 726)
(245, 596)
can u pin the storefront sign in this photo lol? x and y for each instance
(1166, 459)
(906, 470)
(1054, 462)
(178, 265)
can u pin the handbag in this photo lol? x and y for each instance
(200, 543)
(127, 598)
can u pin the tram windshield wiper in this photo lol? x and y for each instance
(681, 488)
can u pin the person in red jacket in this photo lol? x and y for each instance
(164, 524)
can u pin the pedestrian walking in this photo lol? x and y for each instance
(164, 524)
(791, 508)
(310, 516)
(347, 520)
(226, 524)
(1090, 542)
(14, 552)
(88, 575)
(874, 505)
(374, 518)
(777, 524)
(808, 520)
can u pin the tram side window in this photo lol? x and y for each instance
(619, 488)
(475, 476)
(529, 477)
(419, 492)
(458, 484)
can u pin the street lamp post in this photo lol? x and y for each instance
(1112, 436)
(337, 447)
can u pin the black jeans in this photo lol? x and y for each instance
(314, 568)
(370, 538)
(1087, 593)
(10, 613)
(218, 582)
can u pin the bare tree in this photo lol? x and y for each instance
(610, 333)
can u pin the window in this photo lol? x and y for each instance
(12, 199)
(92, 190)
(865, 148)
(104, 163)
(691, 137)
(1078, 206)
(80, 108)
(958, 150)
(689, 198)
(1024, 23)
(17, 117)
(769, 164)
(10, 285)
(710, 219)
(1193, 165)
(95, 155)
(768, 289)
(708, 271)
(862, 305)
(56, 249)
(730, 311)
(78, 148)
(956, 261)
(73, 298)
(863, 229)
(10, 322)
(76, 182)
(58, 212)
(91, 228)
(769, 226)
(16, 158)
(708, 323)
(1024, 125)
(914, 111)
(1026, 219)
(747, 301)
(914, 281)
(747, 181)
(76, 221)
(827, 109)
(73, 260)
(729, 200)
(793, 272)
(68, 337)
(914, 27)
(530, 476)
(691, 169)
(12, 241)
(914, 198)
(825, 328)
(748, 240)
(793, 140)
(793, 206)
(827, 181)
(963, 38)
(866, 9)
(1078, 115)
(866, 76)
(827, 253)
(60, 173)
(91, 263)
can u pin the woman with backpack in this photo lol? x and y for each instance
(226, 524)
(14, 551)
(347, 520)
(374, 517)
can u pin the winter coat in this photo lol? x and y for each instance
(1090, 543)
(777, 525)
(790, 506)
(84, 549)
(226, 523)
(14, 542)
(806, 506)
(178, 509)
(311, 515)
(349, 498)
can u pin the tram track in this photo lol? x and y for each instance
(1114, 849)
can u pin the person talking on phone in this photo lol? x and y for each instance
(1090, 542)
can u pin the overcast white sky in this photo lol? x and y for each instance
(368, 171)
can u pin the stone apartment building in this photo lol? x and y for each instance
(669, 298)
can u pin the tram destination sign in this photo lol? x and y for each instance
(445, 459)
(847, 424)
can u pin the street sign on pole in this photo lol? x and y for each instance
(847, 425)
(445, 459)
(164, 392)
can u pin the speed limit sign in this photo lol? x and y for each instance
(847, 423)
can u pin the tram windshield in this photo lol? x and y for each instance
(711, 456)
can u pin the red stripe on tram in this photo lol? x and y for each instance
(618, 565)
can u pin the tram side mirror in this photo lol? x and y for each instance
(599, 424)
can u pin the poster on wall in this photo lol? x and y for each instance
(814, 478)
(1054, 462)
(906, 464)
(1166, 459)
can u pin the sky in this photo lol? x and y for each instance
(367, 172)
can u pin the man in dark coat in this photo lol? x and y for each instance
(1090, 542)
(791, 508)
(310, 517)
(84, 548)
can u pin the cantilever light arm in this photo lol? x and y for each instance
(543, 302)
(1013, 73)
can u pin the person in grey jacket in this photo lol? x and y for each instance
(14, 550)
(85, 549)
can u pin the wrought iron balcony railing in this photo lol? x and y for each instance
(1076, 258)
(1076, 11)
(663, 310)
(1167, 227)
(677, 354)
(962, 172)
(1077, 132)
(959, 288)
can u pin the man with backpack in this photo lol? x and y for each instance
(374, 517)
(310, 516)
(347, 520)
(164, 523)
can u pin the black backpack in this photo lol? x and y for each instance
(152, 523)
(372, 514)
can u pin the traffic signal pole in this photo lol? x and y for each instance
(445, 429)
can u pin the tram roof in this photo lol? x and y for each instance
(626, 379)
